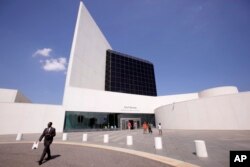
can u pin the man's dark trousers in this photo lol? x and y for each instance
(46, 150)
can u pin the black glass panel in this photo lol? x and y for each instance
(129, 74)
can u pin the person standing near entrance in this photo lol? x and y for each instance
(129, 125)
(135, 125)
(160, 129)
(48, 134)
(145, 127)
(150, 128)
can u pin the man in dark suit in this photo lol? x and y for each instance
(48, 135)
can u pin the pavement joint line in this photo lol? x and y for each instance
(158, 158)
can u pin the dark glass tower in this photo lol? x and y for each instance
(128, 74)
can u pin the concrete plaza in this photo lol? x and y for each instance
(177, 144)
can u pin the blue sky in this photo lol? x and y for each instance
(193, 44)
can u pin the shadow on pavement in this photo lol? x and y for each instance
(52, 157)
(55, 156)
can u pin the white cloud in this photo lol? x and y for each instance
(45, 52)
(58, 64)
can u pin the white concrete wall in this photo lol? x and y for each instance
(8, 95)
(218, 91)
(90, 100)
(29, 118)
(228, 112)
(170, 99)
(78, 99)
(88, 54)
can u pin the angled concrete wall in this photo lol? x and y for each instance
(88, 54)
(20, 98)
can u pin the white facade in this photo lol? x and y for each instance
(216, 108)
(224, 112)
(24, 117)
(103, 101)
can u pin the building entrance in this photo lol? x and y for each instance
(135, 123)
(92, 121)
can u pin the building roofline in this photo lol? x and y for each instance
(129, 56)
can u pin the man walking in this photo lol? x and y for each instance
(48, 135)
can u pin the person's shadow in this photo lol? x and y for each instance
(52, 157)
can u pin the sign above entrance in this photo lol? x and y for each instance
(129, 108)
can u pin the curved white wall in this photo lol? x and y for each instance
(224, 90)
(229, 112)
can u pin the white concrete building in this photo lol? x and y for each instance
(87, 105)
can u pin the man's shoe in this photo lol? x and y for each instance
(39, 162)
(48, 158)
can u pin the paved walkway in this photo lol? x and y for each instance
(13, 155)
(177, 144)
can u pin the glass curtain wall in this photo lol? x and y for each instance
(77, 121)
(128, 74)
